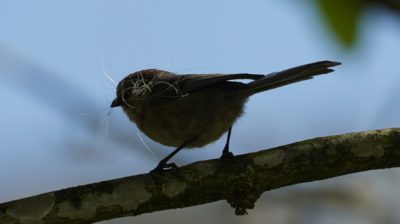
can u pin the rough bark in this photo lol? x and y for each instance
(240, 180)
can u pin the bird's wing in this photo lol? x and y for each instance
(190, 83)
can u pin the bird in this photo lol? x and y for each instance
(193, 110)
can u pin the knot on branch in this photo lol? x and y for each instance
(242, 195)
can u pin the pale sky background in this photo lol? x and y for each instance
(55, 96)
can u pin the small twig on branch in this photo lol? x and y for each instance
(240, 180)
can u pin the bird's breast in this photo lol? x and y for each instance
(202, 115)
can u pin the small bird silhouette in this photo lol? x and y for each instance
(193, 110)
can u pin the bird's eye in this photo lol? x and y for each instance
(126, 94)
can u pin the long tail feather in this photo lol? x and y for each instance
(289, 76)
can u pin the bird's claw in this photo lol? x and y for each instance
(226, 154)
(163, 166)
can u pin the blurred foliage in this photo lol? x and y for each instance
(343, 16)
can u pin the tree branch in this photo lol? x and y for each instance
(240, 180)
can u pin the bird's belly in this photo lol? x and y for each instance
(192, 117)
(175, 133)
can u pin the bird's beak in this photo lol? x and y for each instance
(116, 102)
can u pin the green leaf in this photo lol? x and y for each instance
(343, 17)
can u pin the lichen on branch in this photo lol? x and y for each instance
(239, 180)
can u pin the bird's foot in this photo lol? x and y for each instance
(163, 166)
(226, 154)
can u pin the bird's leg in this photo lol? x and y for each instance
(162, 165)
(226, 154)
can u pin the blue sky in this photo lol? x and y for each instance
(55, 95)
